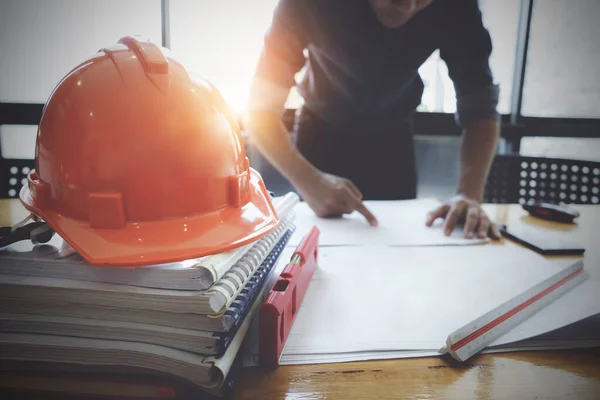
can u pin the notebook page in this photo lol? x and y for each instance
(398, 298)
(401, 223)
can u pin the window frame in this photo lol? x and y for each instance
(516, 126)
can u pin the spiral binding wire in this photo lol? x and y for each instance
(249, 292)
(238, 310)
(234, 280)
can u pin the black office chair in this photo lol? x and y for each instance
(518, 179)
(13, 175)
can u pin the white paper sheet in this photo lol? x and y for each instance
(388, 299)
(398, 354)
(577, 305)
(401, 223)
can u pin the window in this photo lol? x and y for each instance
(501, 18)
(230, 61)
(40, 41)
(221, 40)
(18, 141)
(562, 78)
(438, 95)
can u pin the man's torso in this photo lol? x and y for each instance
(358, 67)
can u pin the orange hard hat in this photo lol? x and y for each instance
(139, 162)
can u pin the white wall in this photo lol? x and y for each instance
(41, 40)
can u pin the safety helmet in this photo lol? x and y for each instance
(139, 162)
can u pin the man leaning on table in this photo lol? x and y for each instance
(360, 88)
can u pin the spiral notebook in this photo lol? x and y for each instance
(134, 298)
(77, 381)
(253, 293)
(195, 340)
(206, 372)
(61, 261)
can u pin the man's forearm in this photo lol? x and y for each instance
(270, 136)
(479, 143)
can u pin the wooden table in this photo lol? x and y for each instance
(569, 374)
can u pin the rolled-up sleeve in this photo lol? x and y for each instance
(281, 58)
(466, 49)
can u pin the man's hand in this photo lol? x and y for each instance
(332, 196)
(327, 195)
(462, 209)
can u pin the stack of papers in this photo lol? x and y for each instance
(400, 289)
(185, 320)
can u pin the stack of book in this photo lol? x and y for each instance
(181, 323)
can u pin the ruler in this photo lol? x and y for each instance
(475, 336)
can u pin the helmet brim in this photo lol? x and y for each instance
(166, 241)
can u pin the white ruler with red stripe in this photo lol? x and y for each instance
(475, 336)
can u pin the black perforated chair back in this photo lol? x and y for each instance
(518, 179)
(13, 175)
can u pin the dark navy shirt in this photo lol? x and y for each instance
(358, 67)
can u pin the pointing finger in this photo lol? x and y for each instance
(354, 189)
(361, 208)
